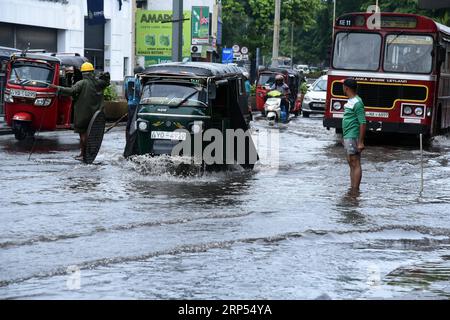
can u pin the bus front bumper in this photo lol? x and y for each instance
(378, 126)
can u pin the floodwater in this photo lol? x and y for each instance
(133, 230)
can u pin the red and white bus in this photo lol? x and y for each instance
(402, 69)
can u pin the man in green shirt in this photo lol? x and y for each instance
(354, 130)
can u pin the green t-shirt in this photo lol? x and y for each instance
(354, 116)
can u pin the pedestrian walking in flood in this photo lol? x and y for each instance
(88, 96)
(354, 131)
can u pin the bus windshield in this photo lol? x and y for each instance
(172, 94)
(357, 51)
(408, 54)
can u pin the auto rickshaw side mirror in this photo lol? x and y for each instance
(212, 91)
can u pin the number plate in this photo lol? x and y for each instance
(377, 114)
(168, 135)
(318, 105)
(23, 93)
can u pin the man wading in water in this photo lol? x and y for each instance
(354, 130)
(88, 96)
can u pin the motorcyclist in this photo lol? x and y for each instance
(283, 88)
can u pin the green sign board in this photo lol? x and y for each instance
(154, 37)
(200, 25)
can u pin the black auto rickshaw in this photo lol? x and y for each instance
(183, 101)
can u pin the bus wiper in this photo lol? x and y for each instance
(395, 38)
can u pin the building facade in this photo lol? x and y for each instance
(201, 31)
(64, 26)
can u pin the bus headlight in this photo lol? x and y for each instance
(419, 111)
(143, 126)
(407, 110)
(337, 106)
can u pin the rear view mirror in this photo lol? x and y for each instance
(442, 54)
(212, 91)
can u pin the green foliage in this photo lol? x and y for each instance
(303, 88)
(110, 93)
(250, 23)
(253, 90)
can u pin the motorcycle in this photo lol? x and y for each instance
(272, 108)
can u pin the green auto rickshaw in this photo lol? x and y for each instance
(193, 109)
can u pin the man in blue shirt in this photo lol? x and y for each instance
(133, 96)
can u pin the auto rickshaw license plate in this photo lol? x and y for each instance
(167, 135)
(23, 93)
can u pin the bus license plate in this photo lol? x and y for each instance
(23, 93)
(168, 135)
(377, 114)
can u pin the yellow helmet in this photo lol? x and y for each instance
(86, 67)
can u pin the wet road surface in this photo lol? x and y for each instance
(133, 230)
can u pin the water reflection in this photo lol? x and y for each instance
(349, 206)
(39, 145)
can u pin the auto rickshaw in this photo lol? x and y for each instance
(266, 78)
(30, 105)
(180, 100)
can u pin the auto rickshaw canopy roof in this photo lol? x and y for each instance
(193, 69)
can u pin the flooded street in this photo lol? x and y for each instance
(133, 230)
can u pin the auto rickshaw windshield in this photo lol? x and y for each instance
(267, 79)
(174, 95)
(31, 74)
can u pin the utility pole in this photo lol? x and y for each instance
(177, 31)
(292, 44)
(276, 31)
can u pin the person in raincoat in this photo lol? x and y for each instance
(88, 96)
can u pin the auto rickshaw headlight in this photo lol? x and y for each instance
(43, 102)
(143, 126)
(8, 98)
(197, 127)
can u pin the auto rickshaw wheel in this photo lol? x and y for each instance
(21, 132)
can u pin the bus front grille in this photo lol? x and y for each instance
(384, 95)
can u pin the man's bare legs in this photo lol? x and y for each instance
(83, 137)
(354, 162)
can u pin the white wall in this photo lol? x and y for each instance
(69, 20)
(118, 38)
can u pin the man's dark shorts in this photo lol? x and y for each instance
(351, 146)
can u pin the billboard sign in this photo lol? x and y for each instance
(200, 25)
(154, 35)
(227, 55)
